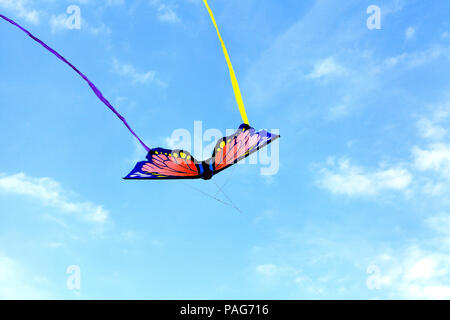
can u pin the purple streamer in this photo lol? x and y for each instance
(93, 87)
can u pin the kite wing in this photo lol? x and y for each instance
(229, 150)
(166, 164)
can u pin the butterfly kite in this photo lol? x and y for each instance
(179, 164)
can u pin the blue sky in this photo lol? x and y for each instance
(358, 208)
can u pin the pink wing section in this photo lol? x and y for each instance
(166, 164)
(172, 164)
(234, 148)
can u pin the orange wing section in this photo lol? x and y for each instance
(166, 164)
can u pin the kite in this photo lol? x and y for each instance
(179, 164)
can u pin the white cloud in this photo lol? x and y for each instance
(287, 275)
(419, 271)
(436, 157)
(351, 180)
(392, 7)
(326, 67)
(339, 111)
(410, 33)
(432, 160)
(434, 188)
(273, 274)
(17, 283)
(165, 12)
(429, 163)
(58, 22)
(281, 71)
(415, 59)
(167, 15)
(434, 125)
(95, 30)
(284, 70)
(51, 193)
(129, 71)
(440, 223)
(429, 129)
(177, 142)
(415, 273)
(21, 9)
(424, 268)
(54, 245)
(267, 270)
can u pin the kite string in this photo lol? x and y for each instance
(93, 87)
(228, 180)
(234, 82)
(228, 198)
(208, 195)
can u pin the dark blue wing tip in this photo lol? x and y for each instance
(273, 136)
(268, 134)
(244, 126)
(134, 174)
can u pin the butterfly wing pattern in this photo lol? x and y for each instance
(229, 150)
(166, 164)
(179, 164)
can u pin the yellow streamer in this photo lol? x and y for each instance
(234, 82)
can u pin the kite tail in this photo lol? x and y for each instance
(93, 87)
(234, 82)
